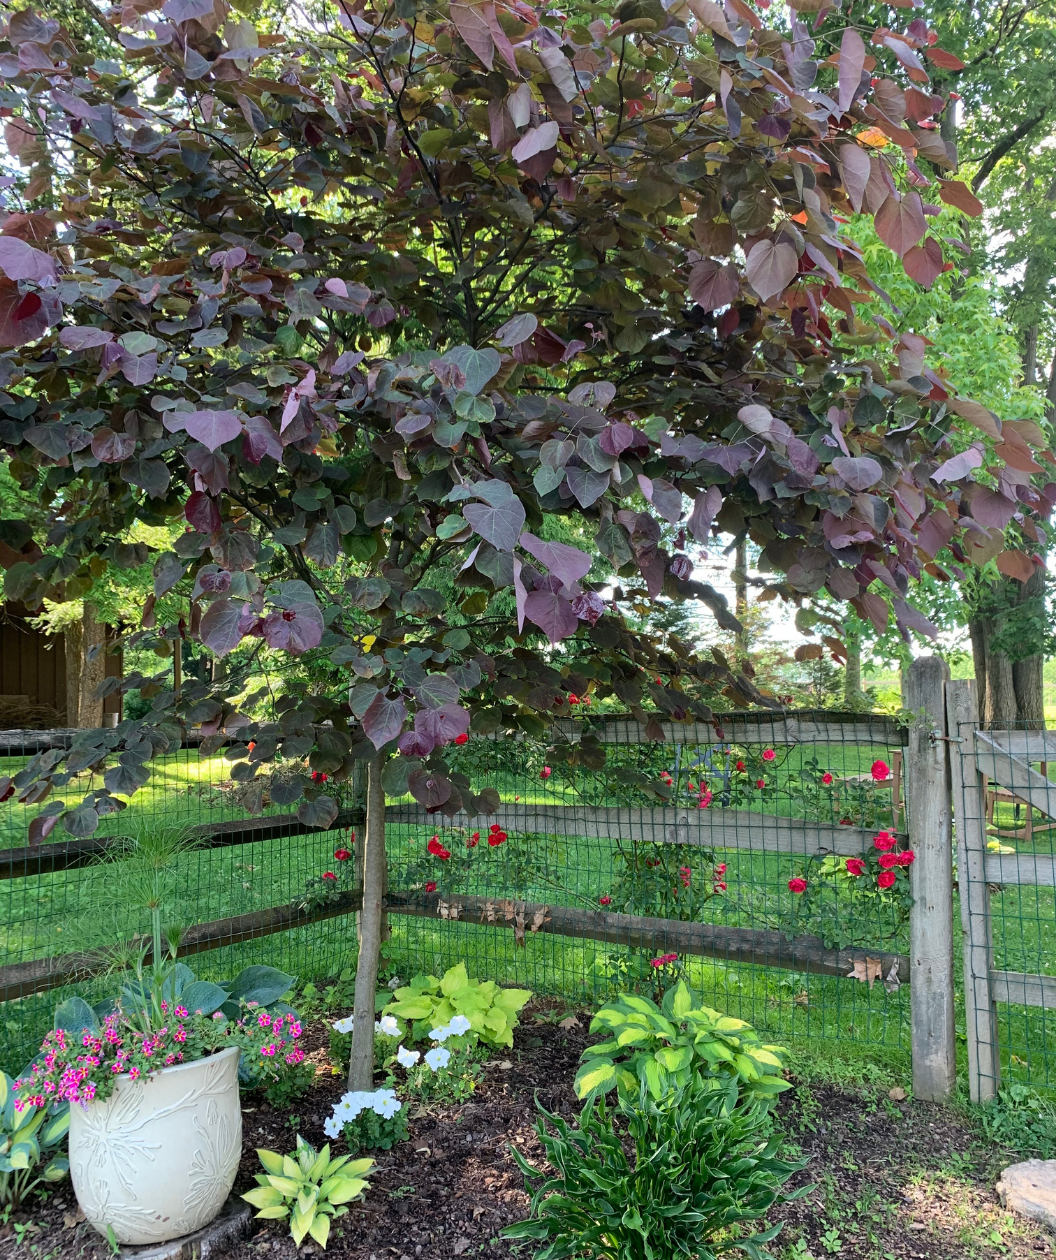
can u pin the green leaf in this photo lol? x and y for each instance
(271, 1160)
(432, 143)
(454, 979)
(599, 1075)
(263, 1197)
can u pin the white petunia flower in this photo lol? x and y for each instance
(438, 1057)
(441, 1034)
(345, 1025)
(386, 1104)
(459, 1025)
(387, 1026)
(332, 1127)
(407, 1058)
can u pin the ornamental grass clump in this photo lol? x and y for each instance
(688, 1174)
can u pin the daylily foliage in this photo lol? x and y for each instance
(377, 293)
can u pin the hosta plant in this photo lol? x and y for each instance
(308, 1187)
(654, 1179)
(29, 1138)
(427, 1003)
(667, 1046)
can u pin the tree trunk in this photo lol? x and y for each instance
(740, 589)
(1010, 691)
(852, 674)
(85, 670)
(361, 1064)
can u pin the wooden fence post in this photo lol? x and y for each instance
(931, 882)
(361, 1064)
(984, 1063)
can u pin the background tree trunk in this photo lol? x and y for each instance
(1009, 691)
(852, 674)
(85, 670)
(740, 590)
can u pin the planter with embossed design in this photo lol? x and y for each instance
(157, 1159)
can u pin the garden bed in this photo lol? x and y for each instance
(895, 1180)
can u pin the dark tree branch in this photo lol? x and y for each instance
(1003, 147)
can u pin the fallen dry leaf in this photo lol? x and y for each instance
(897, 1094)
(891, 981)
(866, 969)
(72, 1219)
(570, 1022)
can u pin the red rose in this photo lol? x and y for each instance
(880, 771)
(885, 840)
(885, 879)
(251, 745)
(720, 869)
(907, 858)
(739, 766)
(545, 773)
(342, 855)
(587, 701)
(462, 739)
(605, 901)
(720, 887)
(855, 866)
(436, 848)
(797, 884)
(760, 783)
(495, 827)
(329, 875)
(473, 840)
(826, 778)
(431, 886)
(573, 698)
(691, 785)
(496, 838)
(887, 860)
(769, 754)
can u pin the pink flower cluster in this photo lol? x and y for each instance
(663, 960)
(71, 1071)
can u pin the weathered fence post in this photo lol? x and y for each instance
(931, 882)
(984, 1063)
(361, 1064)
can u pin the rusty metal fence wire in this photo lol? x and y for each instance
(612, 863)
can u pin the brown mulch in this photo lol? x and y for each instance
(892, 1180)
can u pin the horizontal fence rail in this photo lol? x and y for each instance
(714, 828)
(69, 855)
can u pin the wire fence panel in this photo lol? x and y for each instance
(1006, 819)
(85, 906)
(601, 835)
(611, 863)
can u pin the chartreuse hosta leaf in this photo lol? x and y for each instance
(310, 1187)
(659, 1048)
(428, 1003)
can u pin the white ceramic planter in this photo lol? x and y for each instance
(157, 1159)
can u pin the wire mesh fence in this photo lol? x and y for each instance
(1005, 805)
(696, 837)
(703, 830)
(88, 903)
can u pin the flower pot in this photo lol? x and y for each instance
(157, 1159)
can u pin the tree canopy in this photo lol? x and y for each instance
(396, 283)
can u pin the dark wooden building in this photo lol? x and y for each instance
(33, 675)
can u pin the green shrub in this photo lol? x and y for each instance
(370, 1131)
(670, 1044)
(28, 1138)
(427, 1003)
(294, 1082)
(701, 1164)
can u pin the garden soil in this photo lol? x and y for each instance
(893, 1179)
